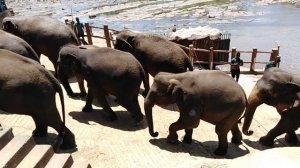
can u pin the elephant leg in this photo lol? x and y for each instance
(236, 134)
(222, 131)
(132, 106)
(40, 129)
(100, 94)
(188, 136)
(184, 122)
(89, 100)
(54, 121)
(80, 80)
(281, 127)
(291, 138)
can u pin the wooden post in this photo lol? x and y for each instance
(274, 54)
(253, 60)
(107, 37)
(191, 53)
(211, 58)
(89, 33)
(233, 53)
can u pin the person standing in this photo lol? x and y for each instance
(79, 29)
(235, 66)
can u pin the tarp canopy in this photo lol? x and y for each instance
(196, 33)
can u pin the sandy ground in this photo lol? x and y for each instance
(121, 144)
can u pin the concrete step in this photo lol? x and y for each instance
(13, 153)
(38, 157)
(60, 161)
(5, 136)
(77, 164)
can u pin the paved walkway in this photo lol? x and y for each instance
(120, 144)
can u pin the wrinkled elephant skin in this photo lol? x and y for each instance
(211, 96)
(276, 88)
(17, 45)
(44, 34)
(107, 71)
(28, 88)
(155, 53)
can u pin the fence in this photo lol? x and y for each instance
(89, 33)
(213, 55)
(274, 56)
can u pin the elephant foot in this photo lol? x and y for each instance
(220, 152)
(291, 139)
(187, 139)
(39, 132)
(266, 142)
(87, 109)
(172, 139)
(66, 146)
(236, 140)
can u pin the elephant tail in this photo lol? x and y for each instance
(61, 97)
(145, 81)
(247, 104)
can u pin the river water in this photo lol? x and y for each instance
(251, 25)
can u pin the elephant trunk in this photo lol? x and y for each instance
(249, 113)
(148, 112)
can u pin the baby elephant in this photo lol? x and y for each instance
(26, 87)
(211, 96)
(288, 123)
(107, 71)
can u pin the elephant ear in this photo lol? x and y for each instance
(289, 93)
(175, 90)
(9, 26)
(292, 87)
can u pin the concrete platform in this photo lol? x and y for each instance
(121, 144)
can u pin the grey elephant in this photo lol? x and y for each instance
(44, 34)
(16, 44)
(279, 89)
(208, 95)
(26, 87)
(107, 71)
(155, 53)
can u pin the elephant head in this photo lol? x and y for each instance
(125, 41)
(280, 95)
(163, 91)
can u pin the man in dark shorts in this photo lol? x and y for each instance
(79, 29)
(235, 66)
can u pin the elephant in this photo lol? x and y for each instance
(107, 71)
(288, 123)
(155, 53)
(27, 88)
(276, 88)
(16, 44)
(43, 33)
(210, 95)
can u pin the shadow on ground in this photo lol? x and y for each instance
(51, 139)
(124, 122)
(204, 149)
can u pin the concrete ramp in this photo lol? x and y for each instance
(22, 151)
